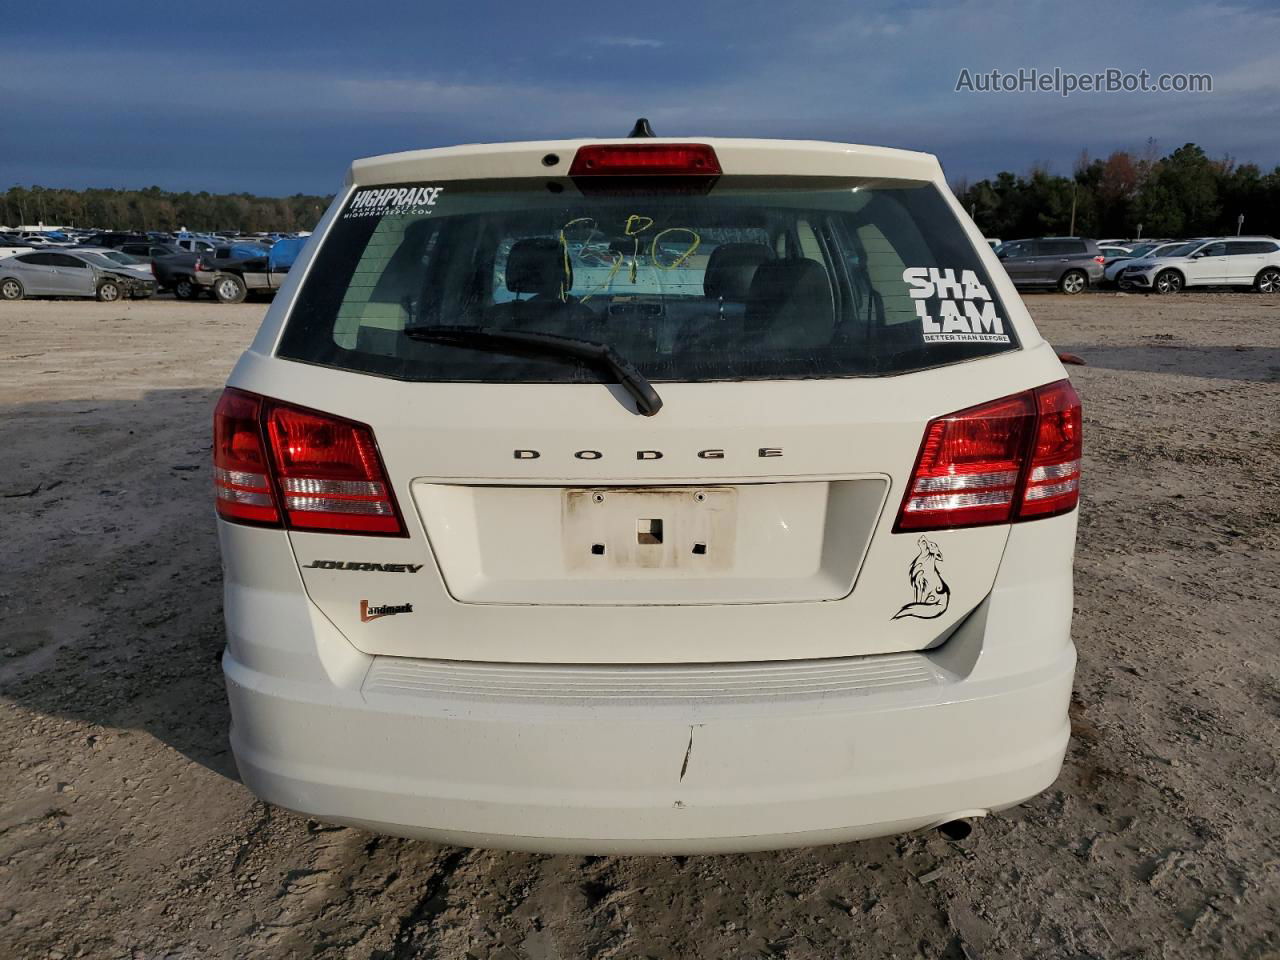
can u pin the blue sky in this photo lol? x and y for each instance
(277, 96)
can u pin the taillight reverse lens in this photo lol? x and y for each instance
(1017, 458)
(276, 464)
(1053, 481)
(241, 475)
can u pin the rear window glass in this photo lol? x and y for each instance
(757, 278)
(1058, 247)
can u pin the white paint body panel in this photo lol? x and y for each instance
(589, 759)
(533, 701)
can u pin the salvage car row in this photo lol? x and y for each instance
(138, 266)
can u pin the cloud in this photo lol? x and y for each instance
(634, 42)
(883, 74)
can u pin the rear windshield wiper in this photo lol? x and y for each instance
(517, 342)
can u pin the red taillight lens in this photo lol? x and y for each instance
(241, 475)
(966, 473)
(1100, 259)
(1053, 480)
(330, 474)
(1017, 458)
(645, 159)
(324, 470)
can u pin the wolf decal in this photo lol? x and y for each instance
(932, 592)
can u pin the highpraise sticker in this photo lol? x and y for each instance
(964, 311)
(393, 201)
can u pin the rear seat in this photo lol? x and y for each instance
(538, 266)
(790, 302)
(727, 281)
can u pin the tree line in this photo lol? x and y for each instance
(155, 209)
(1182, 194)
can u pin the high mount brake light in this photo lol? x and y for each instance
(280, 465)
(1017, 458)
(646, 160)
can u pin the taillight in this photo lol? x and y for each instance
(1053, 478)
(319, 472)
(1099, 259)
(645, 159)
(241, 474)
(1017, 458)
(330, 474)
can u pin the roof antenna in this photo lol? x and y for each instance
(642, 129)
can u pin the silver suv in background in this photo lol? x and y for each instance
(1071, 264)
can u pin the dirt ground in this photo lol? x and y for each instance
(124, 832)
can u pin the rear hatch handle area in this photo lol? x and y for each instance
(519, 342)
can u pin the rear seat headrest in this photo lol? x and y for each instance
(730, 268)
(792, 300)
(538, 265)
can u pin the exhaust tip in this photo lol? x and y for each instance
(959, 824)
(956, 830)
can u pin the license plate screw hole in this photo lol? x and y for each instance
(699, 549)
(649, 531)
(700, 497)
(597, 498)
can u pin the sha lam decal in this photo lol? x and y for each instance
(931, 592)
(965, 312)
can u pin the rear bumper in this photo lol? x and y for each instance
(675, 775)
(674, 759)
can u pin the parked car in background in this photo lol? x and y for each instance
(150, 250)
(110, 259)
(1072, 264)
(233, 272)
(1110, 253)
(115, 238)
(10, 246)
(1227, 261)
(196, 244)
(44, 240)
(68, 273)
(177, 272)
(1112, 270)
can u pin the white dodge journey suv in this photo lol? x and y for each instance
(627, 496)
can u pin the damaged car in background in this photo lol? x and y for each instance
(70, 273)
